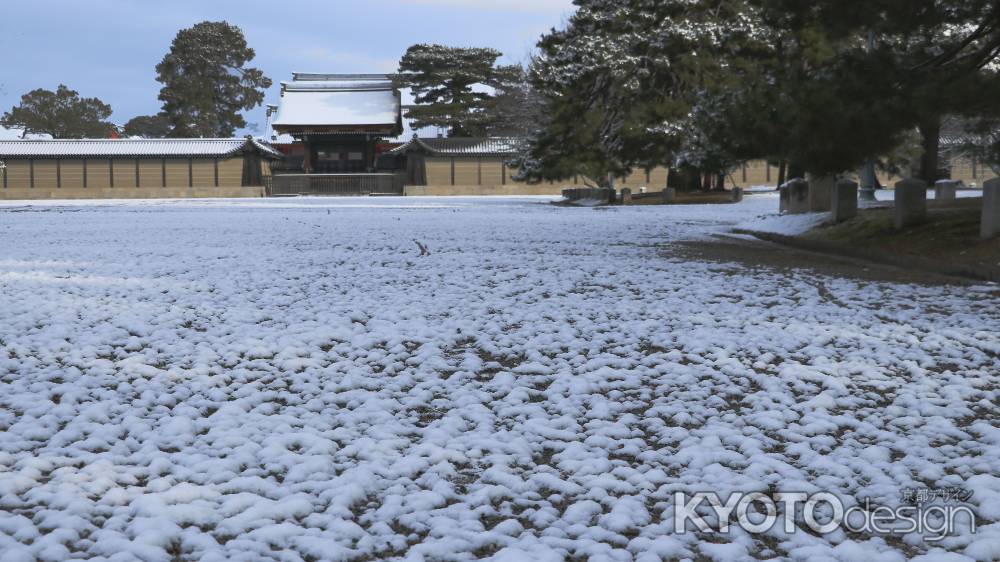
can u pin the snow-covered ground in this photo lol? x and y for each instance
(288, 380)
(890, 195)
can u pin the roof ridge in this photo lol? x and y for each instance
(129, 140)
(327, 76)
(190, 147)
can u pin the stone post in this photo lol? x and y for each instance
(737, 194)
(784, 196)
(844, 202)
(668, 195)
(945, 190)
(626, 196)
(798, 196)
(910, 202)
(820, 192)
(990, 225)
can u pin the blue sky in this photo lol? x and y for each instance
(109, 48)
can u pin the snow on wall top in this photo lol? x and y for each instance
(338, 99)
(18, 134)
(467, 146)
(139, 148)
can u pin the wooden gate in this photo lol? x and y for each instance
(284, 185)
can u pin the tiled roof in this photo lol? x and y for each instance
(326, 77)
(464, 146)
(338, 83)
(135, 148)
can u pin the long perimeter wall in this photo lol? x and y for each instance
(490, 176)
(125, 178)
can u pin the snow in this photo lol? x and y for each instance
(890, 195)
(18, 134)
(338, 108)
(98, 148)
(787, 225)
(794, 225)
(287, 380)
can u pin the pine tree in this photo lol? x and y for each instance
(822, 85)
(62, 114)
(206, 81)
(624, 75)
(516, 109)
(842, 81)
(444, 83)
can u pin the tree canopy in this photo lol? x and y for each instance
(148, 126)
(207, 83)
(62, 114)
(823, 85)
(454, 88)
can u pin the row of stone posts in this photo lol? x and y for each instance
(910, 200)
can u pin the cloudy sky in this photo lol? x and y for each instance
(109, 48)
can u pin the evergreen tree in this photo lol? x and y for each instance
(823, 85)
(206, 81)
(516, 109)
(62, 114)
(148, 126)
(625, 75)
(444, 83)
(951, 70)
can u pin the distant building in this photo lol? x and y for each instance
(134, 168)
(339, 120)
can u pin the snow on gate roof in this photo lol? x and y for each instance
(130, 148)
(338, 100)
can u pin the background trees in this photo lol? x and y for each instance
(207, 83)
(821, 86)
(62, 114)
(516, 108)
(627, 77)
(148, 126)
(455, 88)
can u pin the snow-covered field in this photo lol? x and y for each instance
(288, 380)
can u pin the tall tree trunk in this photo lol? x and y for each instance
(706, 182)
(720, 182)
(782, 169)
(930, 133)
(694, 179)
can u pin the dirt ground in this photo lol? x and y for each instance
(950, 235)
(759, 255)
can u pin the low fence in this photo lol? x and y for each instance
(334, 184)
(511, 189)
(590, 194)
